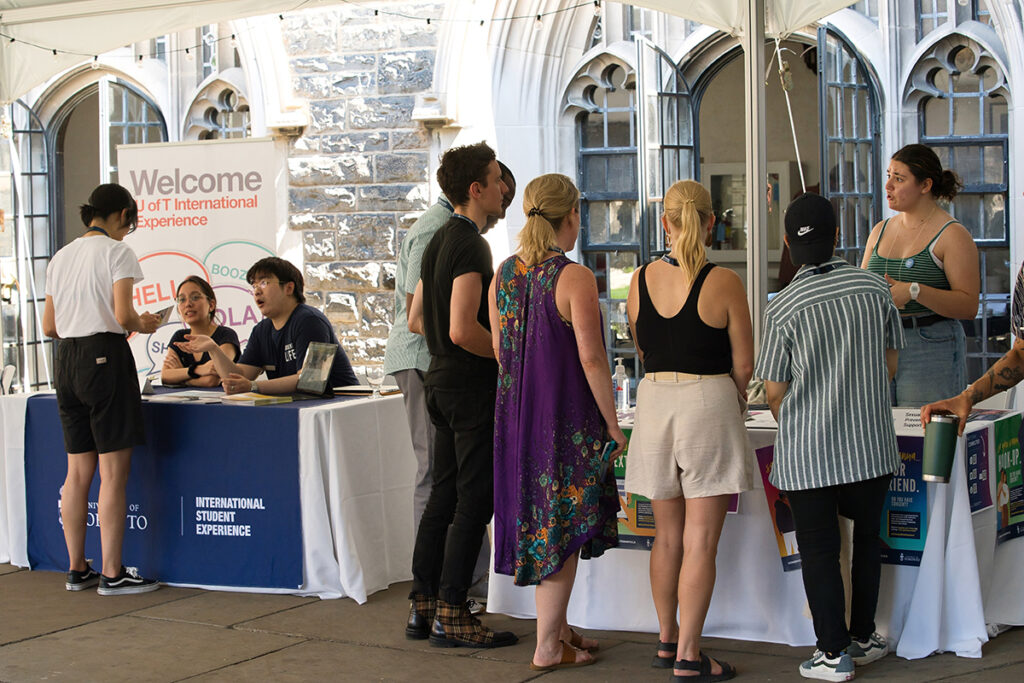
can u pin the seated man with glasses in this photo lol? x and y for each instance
(278, 343)
(197, 306)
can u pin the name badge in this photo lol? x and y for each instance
(270, 368)
(101, 360)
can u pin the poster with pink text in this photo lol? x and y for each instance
(206, 208)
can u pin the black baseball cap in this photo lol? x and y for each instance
(811, 229)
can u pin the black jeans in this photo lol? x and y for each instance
(461, 499)
(816, 513)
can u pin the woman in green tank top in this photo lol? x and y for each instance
(931, 264)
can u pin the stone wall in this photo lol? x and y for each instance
(358, 174)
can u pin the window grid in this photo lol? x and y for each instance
(930, 15)
(981, 157)
(133, 120)
(610, 199)
(869, 8)
(30, 139)
(850, 132)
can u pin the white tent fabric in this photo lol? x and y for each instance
(79, 29)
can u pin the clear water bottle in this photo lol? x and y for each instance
(620, 380)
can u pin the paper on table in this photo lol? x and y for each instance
(363, 390)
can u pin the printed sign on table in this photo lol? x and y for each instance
(905, 513)
(977, 470)
(782, 514)
(1009, 479)
(208, 209)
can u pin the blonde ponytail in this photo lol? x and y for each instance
(687, 210)
(547, 200)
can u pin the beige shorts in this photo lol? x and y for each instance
(688, 440)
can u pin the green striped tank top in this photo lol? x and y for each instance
(920, 268)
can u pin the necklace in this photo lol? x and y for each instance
(557, 249)
(909, 260)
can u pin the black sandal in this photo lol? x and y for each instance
(660, 662)
(703, 669)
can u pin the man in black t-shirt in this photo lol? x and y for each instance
(450, 309)
(278, 343)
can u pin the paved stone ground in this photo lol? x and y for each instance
(174, 634)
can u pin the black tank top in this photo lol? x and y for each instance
(682, 343)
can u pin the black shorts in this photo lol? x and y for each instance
(98, 394)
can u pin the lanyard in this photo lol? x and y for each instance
(669, 260)
(97, 229)
(446, 204)
(557, 249)
(467, 219)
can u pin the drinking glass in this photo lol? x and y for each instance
(375, 376)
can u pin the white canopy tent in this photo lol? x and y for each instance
(41, 38)
(79, 29)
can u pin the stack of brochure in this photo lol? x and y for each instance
(251, 398)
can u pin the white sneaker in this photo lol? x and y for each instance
(866, 651)
(824, 668)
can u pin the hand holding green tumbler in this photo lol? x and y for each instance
(939, 448)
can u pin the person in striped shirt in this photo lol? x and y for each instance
(829, 351)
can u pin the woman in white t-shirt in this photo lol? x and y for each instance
(89, 309)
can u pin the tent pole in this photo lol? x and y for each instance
(757, 164)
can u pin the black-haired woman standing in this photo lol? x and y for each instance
(197, 306)
(931, 264)
(89, 309)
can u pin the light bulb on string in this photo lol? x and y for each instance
(233, 42)
(95, 63)
(138, 62)
(188, 55)
(55, 54)
(538, 24)
(597, 8)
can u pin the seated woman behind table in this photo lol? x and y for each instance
(197, 306)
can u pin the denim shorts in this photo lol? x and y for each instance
(932, 365)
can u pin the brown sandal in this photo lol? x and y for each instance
(568, 660)
(576, 640)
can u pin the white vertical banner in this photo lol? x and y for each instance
(206, 208)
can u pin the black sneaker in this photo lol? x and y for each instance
(128, 581)
(79, 581)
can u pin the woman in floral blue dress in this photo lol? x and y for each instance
(555, 497)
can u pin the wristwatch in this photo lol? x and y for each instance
(192, 372)
(915, 289)
(254, 387)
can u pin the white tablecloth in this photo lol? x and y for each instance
(964, 582)
(356, 472)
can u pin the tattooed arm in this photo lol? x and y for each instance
(1007, 372)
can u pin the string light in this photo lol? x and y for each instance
(378, 13)
(138, 62)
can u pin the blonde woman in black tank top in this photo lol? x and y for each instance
(689, 451)
(932, 364)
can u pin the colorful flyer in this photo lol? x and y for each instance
(905, 513)
(782, 514)
(636, 518)
(977, 470)
(1009, 480)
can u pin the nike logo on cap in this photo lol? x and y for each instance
(803, 230)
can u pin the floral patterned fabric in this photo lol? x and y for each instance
(553, 492)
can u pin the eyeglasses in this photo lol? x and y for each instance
(259, 285)
(193, 298)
